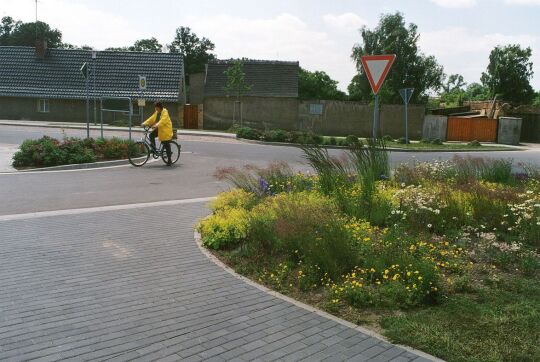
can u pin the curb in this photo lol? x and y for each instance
(390, 149)
(81, 166)
(113, 128)
(309, 308)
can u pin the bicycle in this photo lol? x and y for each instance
(140, 151)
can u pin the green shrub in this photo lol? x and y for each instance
(248, 133)
(474, 143)
(233, 199)
(402, 141)
(47, 151)
(437, 141)
(425, 141)
(352, 140)
(317, 139)
(332, 141)
(388, 138)
(304, 226)
(224, 229)
(275, 136)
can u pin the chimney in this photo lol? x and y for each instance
(41, 48)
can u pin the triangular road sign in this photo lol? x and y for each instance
(406, 94)
(377, 68)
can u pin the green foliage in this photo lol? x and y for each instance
(453, 91)
(197, 52)
(388, 138)
(318, 85)
(411, 68)
(225, 229)
(474, 143)
(352, 140)
(47, 151)
(536, 101)
(275, 136)
(234, 199)
(332, 141)
(477, 92)
(307, 227)
(17, 33)
(509, 73)
(493, 324)
(236, 80)
(248, 133)
(150, 45)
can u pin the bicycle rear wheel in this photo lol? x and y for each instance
(138, 153)
(175, 153)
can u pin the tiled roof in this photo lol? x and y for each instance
(267, 78)
(59, 76)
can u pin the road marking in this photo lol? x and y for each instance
(90, 210)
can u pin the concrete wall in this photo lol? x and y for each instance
(258, 112)
(60, 110)
(509, 132)
(196, 88)
(341, 118)
(435, 127)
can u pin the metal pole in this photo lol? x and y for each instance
(94, 91)
(376, 117)
(407, 121)
(87, 110)
(130, 113)
(101, 117)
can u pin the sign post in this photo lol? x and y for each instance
(142, 87)
(84, 72)
(406, 94)
(377, 68)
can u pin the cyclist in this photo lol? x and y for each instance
(161, 125)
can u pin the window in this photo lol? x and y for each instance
(43, 106)
(316, 109)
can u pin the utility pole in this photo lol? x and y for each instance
(36, 22)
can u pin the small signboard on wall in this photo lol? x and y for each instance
(316, 109)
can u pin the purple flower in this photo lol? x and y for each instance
(264, 187)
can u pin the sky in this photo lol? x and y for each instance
(319, 34)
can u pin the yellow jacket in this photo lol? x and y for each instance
(165, 128)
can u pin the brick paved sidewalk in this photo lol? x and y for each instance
(133, 285)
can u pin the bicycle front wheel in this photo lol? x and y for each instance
(138, 153)
(175, 153)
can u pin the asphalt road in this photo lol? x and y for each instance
(193, 177)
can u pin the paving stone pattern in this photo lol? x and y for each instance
(133, 285)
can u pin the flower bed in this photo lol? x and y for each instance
(394, 253)
(47, 151)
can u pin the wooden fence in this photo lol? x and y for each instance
(470, 129)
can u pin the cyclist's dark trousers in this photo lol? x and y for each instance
(167, 145)
(153, 136)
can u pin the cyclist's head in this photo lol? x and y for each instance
(158, 106)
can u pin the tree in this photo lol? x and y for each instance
(536, 101)
(16, 33)
(453, 90)
(151, 45)
(196, 51)
(7, 25)
(476, 92)
(508, 74)
(412, 69)
(318, 85)
(236, 84)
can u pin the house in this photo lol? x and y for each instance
(271, 101)
(47, 84)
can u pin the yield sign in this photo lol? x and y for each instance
(377, 68)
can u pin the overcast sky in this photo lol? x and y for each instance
(319, 34)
